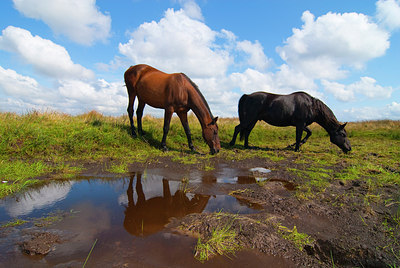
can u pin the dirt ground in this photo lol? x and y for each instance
(343, 230)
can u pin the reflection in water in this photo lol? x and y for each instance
(147, 217)
(42, 197)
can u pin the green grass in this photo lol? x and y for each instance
(221, 242)
(13, 223)
(298, 239)
(53, 145)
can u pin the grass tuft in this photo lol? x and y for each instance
(222, 242)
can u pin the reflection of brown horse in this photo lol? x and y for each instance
(174, 93)
(150, 216)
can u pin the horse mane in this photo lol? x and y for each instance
(198, 92)
(326, 117)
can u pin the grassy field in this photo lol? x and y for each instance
(55, 145)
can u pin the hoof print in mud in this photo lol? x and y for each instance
(40, 244)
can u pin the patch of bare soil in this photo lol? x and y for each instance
(345, 230)
(40, 243)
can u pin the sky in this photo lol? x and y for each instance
(69, 56)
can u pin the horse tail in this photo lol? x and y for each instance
(242, 113)
(128, 82)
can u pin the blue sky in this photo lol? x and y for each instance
(70, 55)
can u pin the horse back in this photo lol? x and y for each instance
(156, 88)
(280, 110)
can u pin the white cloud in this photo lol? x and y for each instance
(394, 109)
(177, 43)
(79, 20)
(24, 93)
(256, 54)
(192, 9)
(24, 88)
(109, 98)
(367, 86)
(252, 80)
(324, 45)
(287, 80)
(339, 91)
(45, 56)
(388, 13)
(391, 111)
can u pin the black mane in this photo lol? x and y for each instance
(198, 91)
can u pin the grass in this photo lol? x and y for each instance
(298, 239)
(54, 145)
(221, 242)
(13, 223)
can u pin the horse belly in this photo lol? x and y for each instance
(278, 116)
(152, 94)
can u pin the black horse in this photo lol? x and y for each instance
(297, 109)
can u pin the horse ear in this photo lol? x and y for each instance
(342, 126)
(213, 121)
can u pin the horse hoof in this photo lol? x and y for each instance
(164, 148)
(231, 143)
(134, 135)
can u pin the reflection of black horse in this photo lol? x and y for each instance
(150, 216)
(297, 109)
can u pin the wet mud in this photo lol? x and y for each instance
(153, 217)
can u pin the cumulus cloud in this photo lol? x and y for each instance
(192, 9)
(394, 109)
(79, 20)
(99, 95)
(24, 88)
(391, 111)
(324, 45)
(256, 56)
(45, 56)
(72, 96)
(177, 42)
(367, 86)
(388, 14)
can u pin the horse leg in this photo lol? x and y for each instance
(130, 113)
(237, 130)
(141, 199)
(139, 115)
(167, 120)
(185, 124)
(308, 131)
(247, 133)
(299, 133)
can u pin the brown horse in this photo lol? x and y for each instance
(173, 93)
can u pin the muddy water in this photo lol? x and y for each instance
(124, 218)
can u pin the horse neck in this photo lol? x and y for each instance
(200, 108)
(326, 118)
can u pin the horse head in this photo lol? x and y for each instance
(210, 135)
(339, 137)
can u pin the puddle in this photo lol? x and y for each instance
(127, 218)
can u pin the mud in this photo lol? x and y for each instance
(153, 217)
